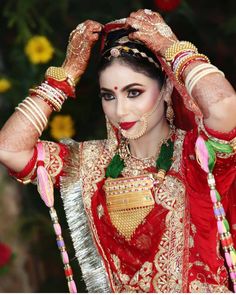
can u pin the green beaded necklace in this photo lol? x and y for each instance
(164, 161)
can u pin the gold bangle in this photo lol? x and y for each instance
(56, 104)
(188, 58)
(59, 74)
(177, 47)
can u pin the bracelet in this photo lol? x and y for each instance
(33, 113)
(187, 64)
(26, 175)
(194, 57)
(58, 77)
(200, 76)
(231, 142)
(178, 58)
(178, 47)
(55, 103)
(30, 119)
(54, 96)
(195, 70)
(43, 117)
(63, 86)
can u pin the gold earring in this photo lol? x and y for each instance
(170, 113)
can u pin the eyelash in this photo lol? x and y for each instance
(103, 95)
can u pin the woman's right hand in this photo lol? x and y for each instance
(81, 41)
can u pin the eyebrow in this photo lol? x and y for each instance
(123, 89)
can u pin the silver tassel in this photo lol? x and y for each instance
(90, 261)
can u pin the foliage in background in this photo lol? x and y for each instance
(6, 256)
(33, 36)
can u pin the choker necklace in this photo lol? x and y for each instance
(124, 163)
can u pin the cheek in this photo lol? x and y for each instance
(108, 108)
(148, 102)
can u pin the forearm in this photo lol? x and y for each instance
(18, 134)
(216, 98)
(18, 138)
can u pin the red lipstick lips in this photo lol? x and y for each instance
(127, 125)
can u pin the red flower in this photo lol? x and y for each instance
(167, 5)
(5, 254)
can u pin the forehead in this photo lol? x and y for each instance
(120, 75)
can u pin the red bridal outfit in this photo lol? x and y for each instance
(165, 239)
(174, 245)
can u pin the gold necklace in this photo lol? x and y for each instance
(135, 166)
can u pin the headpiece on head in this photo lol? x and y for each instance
(115, 43)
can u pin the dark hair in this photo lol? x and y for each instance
(138, 60)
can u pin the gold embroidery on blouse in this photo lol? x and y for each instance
(53, 162)
(197, 286)
(169, 258)
(95, 157)
(141, 280)
(201, 282)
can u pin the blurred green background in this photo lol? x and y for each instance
(32, 263)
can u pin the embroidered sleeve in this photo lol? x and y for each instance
(55, 154)
(55, 159)
(225, 166)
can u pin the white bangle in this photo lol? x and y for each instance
(200, 76)
(43, 117)
(28, 117)
(195, 70)
(33, 114)
(55, 102)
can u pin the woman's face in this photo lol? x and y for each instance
(128, 95)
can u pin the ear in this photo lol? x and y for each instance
(168, 89)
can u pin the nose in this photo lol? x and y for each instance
(121, 108)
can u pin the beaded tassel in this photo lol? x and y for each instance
(205, 151)
(45, 189)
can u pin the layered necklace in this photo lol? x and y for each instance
(130, 198)
(125, 164)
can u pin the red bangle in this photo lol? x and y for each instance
(180, 55)
(63, 86)
(27, 169)
(187, 64)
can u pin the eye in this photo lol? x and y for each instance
(134, 93)
(107, 96)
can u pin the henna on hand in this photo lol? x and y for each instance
(151, 30)
(81, 41)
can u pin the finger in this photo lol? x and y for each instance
(133, 23)
(94, 37)
(136, 36)
(136, 13)
(95, 29)
(140, 25)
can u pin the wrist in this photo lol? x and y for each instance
(167, 44)
(58, 77)
(74, 75)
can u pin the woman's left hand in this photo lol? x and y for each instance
(151, 30)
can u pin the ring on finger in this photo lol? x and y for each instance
(136, 26)
(148, 11)
(163, 30)
(81, 28)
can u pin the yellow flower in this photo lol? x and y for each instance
(62, 126)
(39, 50)
(4, 85)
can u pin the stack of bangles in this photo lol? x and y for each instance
(56, 88)
(183, 53)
